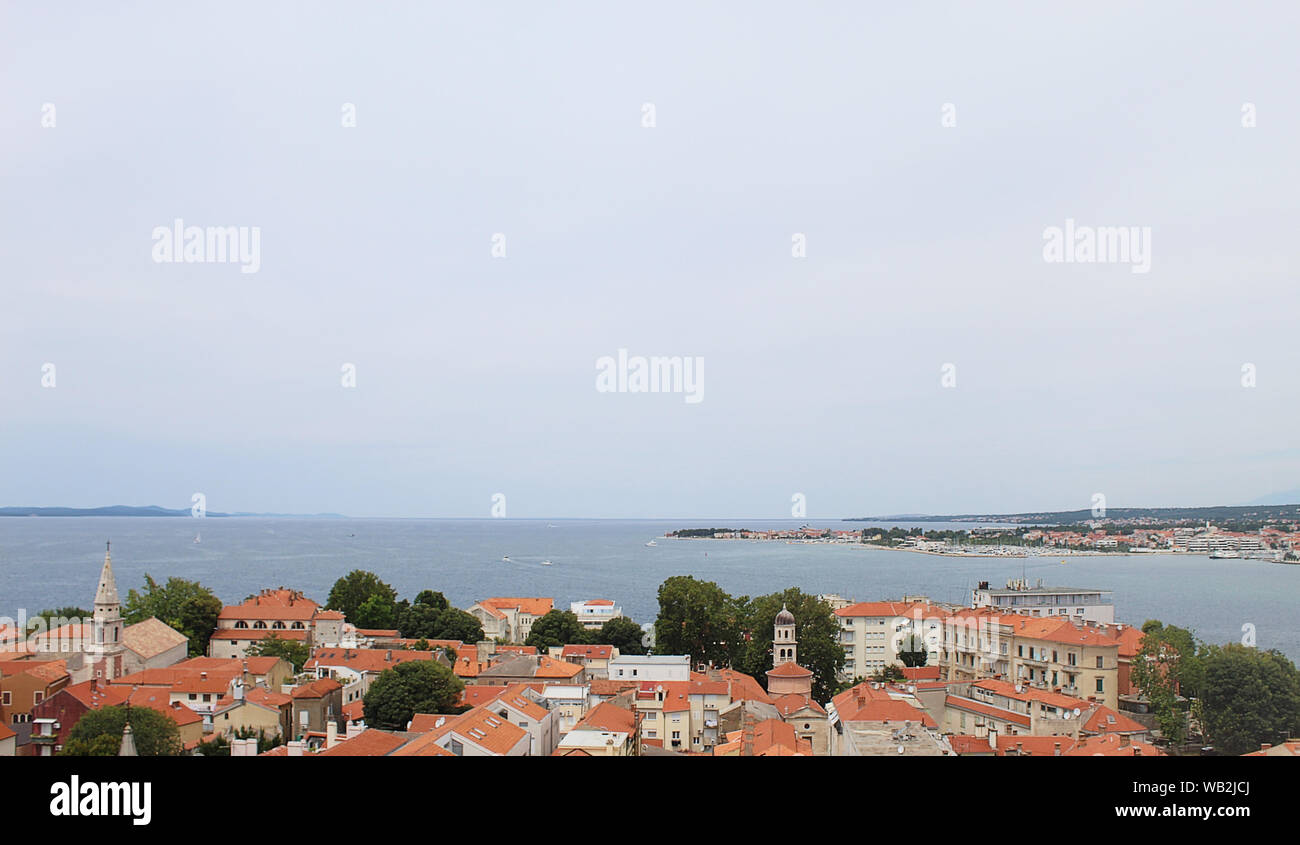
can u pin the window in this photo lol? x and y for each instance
(1101, 684)
(1099, 663)
(5, 699)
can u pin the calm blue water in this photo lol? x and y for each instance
(48, 562)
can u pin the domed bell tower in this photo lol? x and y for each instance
(785, 647)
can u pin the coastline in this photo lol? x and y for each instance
(960, 554)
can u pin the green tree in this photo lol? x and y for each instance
(435, 600)
(1168, 669)
(888, 674)
(156, 734)
(912, 649)
(101, 746)
(56, 618)
(456, 624)
(622, 633)
(187, 606)
(1250, 697)
(351, 591)
(375, 612)
(296, 652)
(556, 628)
(698, 618)
(417, 686)
(816, 630)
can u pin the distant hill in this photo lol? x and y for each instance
(143, 510)
(1278, 498)
(1217, 512)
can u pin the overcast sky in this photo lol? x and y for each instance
(476, 374)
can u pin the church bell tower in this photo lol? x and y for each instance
(107, 621)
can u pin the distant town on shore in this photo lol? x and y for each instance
(1256, 533)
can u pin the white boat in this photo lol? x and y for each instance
(1225, 554)
(506, 558)
(196, 538)
(546, 563)
(652, 543)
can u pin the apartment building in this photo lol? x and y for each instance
(872, 632)
(650, 667)
(510, 620)
(594, 613)
(1062, 654)
(1021, 598)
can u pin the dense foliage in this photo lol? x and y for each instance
(98, 733)
(417, 686)
(187, 606)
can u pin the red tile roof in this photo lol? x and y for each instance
(1112, 745)
(965, 744)
(608, 717)
(316, 689)
(366, 660)
(789, 670)
(534, 606)
(862, 703)
(369, 743)
(587, 652)
(1105, 721)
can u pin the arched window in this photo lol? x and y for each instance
(259, 624)
(278, 625)
(298, 626)
(241, 624)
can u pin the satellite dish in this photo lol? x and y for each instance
(1077, 711)
(1019, 688)
(900, 749)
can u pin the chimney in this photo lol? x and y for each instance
(203, 676)
(1020, 749)
(1266, 746)
(1056, 749)
(388, 656)
(295, 748)
(331, 734)
(354, 730)
(747, 737)
(1124, 740)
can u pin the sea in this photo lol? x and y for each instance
(48, 562)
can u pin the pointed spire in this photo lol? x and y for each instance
(107, 592)
(128, 743)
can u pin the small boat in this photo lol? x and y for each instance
(197, 539)
(550, 525)
(652, 543)
(506, 558)
(546, 563)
